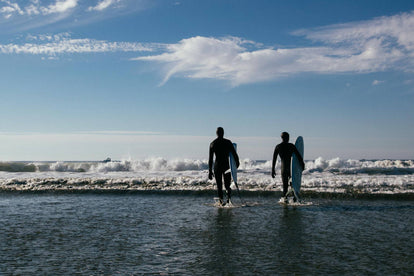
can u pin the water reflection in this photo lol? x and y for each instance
(290, 239)
(221, 242)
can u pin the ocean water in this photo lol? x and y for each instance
(177, 233)
(156, 216)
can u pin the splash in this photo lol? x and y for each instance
(338, 176)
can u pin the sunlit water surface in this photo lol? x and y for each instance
(133, 234)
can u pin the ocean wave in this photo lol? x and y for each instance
(17, 167)
(336, 165)
(337, 176)
(350, 166)
(317, 183)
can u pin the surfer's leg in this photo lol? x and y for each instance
(219, 176)
(285, 180)
(227, 180)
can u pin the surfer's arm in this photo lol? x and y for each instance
(210, 163)
(275, 154)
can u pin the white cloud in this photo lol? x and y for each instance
(32, 10)
(229, 59)
(104, 4)
(10, 8)
(60, 6)
(380, 44)
(377, 82)
(34, 7)
(394, 31)
(201, 57)
(385, 43)
(63, 44)
(21, 15)
(7, 10)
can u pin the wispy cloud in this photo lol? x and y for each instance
(377, 45)
(385, 43)
(389, 31)
(51, 45)
(34, 7)
(377, 82)
(9, 8)
(120, 132)
(102, 5)
(23, 15)
(60, 6)
(201, 57)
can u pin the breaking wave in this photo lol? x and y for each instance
(338, 176)
(336, 165)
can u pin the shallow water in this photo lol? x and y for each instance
(133, 234)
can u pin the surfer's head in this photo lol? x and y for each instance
(285, 136)
(220, 132)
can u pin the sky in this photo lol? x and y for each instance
(90, 79)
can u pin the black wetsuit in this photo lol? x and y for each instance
(221, 147)
(285, 150)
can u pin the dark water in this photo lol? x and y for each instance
(182, 234)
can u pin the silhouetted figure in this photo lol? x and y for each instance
(221, 147)
(285, 151)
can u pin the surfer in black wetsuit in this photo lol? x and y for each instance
(285, 150)
(221, 147)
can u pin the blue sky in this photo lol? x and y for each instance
(83, 80)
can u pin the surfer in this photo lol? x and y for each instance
(285, 150)
(221, 147)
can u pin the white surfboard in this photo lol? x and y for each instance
(296, 167)
(233, 166)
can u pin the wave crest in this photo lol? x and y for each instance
(351, 166)
(319, 165)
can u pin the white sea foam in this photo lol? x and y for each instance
(321, 175)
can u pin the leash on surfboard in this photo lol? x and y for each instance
(238, 192)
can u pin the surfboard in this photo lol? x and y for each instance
(233, 166)
(296, 167)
